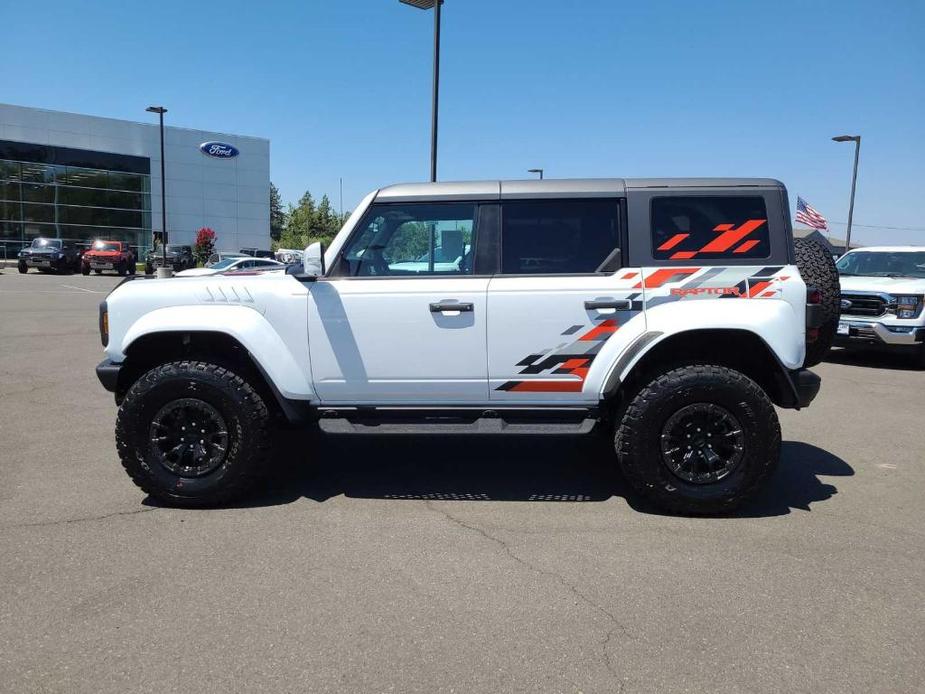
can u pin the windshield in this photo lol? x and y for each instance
(222, 264)
(883, 264)
(175, 249)
(106, 246)
(46, 243)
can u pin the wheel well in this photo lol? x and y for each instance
(741, 350)
(151, 350)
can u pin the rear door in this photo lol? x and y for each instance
(562, 306)
(401, 318)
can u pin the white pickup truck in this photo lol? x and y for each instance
(883, 289)
(670, 312)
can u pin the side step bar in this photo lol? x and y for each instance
(386, 421)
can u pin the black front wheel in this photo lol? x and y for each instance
(193, 434)
(23, 268)
(698, 440)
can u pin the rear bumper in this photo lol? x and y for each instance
(805, 386)
(108, 373)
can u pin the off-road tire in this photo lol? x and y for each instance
(817, 268)
(23, 268)
(246, 417)
(120, 269)
(132, 268)
(149, 269)
(639, 433)
(98, 272)
(85, 269)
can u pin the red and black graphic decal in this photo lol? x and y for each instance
(729, 241)
(573, 360)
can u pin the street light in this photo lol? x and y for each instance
(164, 270)
(854, 181)
(435, 5)
(536, 171)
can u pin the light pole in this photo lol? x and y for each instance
(164, 270)
(854, 181)
(435, 5)
(536, 171)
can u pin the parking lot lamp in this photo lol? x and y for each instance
(854, 180)
(536, 171)
(160, 111)
(435, 5)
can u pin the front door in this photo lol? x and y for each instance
(401, 319)
(562, 308)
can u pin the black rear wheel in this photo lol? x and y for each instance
(698, 440)
(817, 268)
(193, 434)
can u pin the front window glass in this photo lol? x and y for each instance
(565, 237)
(709, 227)
(413, 239)
(883, 264)
(222, 264)
(46, 243)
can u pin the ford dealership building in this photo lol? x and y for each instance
(69, 176)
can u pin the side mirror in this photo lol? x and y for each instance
(313, 259)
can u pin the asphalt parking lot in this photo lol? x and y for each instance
(448, 565)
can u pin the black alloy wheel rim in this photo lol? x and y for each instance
(189, 437)
(702, 443)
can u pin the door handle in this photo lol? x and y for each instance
(618, 304)
(441, 306)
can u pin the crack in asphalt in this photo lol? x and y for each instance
(617, 626)
(83, 519)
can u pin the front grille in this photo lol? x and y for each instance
(864, 305)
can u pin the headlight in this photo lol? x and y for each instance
(908, 305)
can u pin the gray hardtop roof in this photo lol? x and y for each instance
(552, 188)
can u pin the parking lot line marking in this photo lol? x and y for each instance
(89, 291)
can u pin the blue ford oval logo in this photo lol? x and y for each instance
(221, 150)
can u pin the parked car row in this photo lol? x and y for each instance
(62, 255)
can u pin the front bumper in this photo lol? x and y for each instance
(859, 332)
(39, 262)
(108, 373)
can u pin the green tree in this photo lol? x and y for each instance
(277, 213)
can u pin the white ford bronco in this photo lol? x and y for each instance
(669, 312)
(883, 289)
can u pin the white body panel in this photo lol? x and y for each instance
(377, 341)
(544, 346)
(265, 313)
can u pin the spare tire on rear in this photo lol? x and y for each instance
(817, 268)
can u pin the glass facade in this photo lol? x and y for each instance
(80, 195)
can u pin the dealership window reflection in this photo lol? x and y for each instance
(77, 203)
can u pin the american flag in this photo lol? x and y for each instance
(810, 217)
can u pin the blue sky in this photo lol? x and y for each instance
(589, 88)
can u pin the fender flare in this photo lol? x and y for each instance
(245, 325)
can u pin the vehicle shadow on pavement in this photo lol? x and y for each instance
(873, 359)
(550, 469)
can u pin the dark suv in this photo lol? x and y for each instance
(178, 258)
(49, 255)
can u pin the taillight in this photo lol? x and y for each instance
(813, 296)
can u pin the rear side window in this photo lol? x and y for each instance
(709, 227)
(561, 237)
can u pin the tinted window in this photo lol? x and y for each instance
(558, 236)
(412, 239)
(709, 227)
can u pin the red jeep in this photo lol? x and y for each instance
(108, 255)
